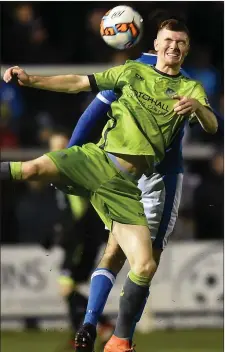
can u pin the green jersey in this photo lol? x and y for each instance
(142, 120)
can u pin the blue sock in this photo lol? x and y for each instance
(102, 281)
(138, 317)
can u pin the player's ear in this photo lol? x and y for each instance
(156, 44)
(187, 50)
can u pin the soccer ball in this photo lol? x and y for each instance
(121, 27)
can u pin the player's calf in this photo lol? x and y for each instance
(135, 241)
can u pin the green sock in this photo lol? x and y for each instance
(139, 280)
(132, 297)
(16, 170)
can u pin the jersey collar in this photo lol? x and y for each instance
(166, 74)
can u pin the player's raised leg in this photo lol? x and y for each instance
(41, 169)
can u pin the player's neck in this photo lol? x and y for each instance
(172, 71)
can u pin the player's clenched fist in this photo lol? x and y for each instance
(23, 77)
(185, 105)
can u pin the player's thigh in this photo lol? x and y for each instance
(84, 168)
(119, 199)
(112, 247)
(113, 257)
(135, 242)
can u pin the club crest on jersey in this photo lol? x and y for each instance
(170, 92)
(139, 77)
(164, 85)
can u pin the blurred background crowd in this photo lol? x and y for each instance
(67, 33)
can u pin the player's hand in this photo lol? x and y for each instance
(185, 105)
(22, 76)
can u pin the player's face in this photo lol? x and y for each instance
(172, 47)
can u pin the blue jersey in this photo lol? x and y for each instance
(173, 160)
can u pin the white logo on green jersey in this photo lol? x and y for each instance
(170, 92)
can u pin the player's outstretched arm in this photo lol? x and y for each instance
(97, 109)
(61, 83)
(94, 112)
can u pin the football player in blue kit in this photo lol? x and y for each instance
(161, 194)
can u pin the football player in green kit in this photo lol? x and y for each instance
(152, 104)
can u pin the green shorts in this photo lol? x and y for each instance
(89, 172)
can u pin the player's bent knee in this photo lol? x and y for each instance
(41, 168)
(114, 257)
(29, 170)
(145, 268)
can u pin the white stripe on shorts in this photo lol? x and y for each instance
(153, 199)
(175, 209)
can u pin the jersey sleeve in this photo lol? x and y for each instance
(106, 80)
(107, 96)
(200, 95)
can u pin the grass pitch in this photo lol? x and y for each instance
(158, 341)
